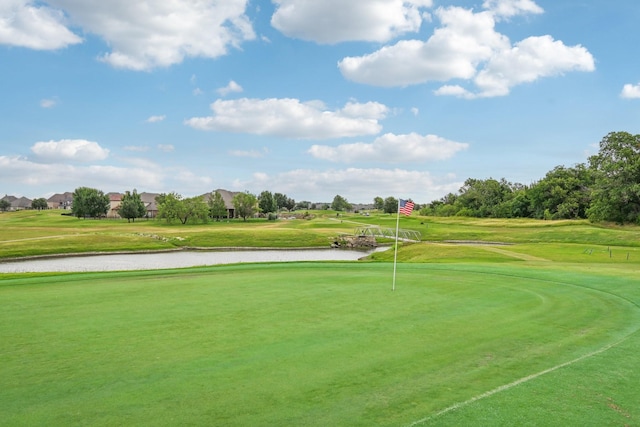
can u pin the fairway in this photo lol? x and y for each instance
(314, 344)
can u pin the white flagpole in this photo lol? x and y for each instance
(395, 254)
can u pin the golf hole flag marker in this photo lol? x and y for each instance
(405, 207)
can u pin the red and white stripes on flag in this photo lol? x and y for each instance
(405, 207)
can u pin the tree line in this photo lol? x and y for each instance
(606, 188)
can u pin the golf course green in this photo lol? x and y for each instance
(473, 334)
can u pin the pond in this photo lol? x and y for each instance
(178, 259)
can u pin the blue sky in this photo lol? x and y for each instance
(309, 98)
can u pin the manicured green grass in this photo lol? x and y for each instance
(28, 233)
(322, 344)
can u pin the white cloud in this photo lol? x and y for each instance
(334, 21)
(48, 103)
(167, 148)
(631, 91)
(415, 111)
(146, 34)
(155, 119)
(453, 51)
(136, 148)
(254, 154)
(529, 60)
(390, 148)
(34, 26)
(290, 118)
(509, 8)
(232, 87)
(66, 177)
(467, 47)
(355, 184)
(69, 150)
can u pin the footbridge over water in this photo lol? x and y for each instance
(407, 235)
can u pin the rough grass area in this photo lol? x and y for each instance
(28, 233)
(320, 344)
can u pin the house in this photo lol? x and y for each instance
(149, 200)
(227, 197)
(17, 203)
(60, 201)
(115, 199)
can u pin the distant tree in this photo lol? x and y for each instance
(282, 201)
(132, 206)
(39, 204)
(245, 205)
(170, 206)
(378, 203)
(616, 190)
(195, 208)
(267, 203)
(484, 198)
(390, 205)
(340, 204)
(173, 207)
(217, 208)
(4, 205)
(563, 193)
(89, 202)
(304, 204)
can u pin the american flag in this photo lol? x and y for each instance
(406, 206)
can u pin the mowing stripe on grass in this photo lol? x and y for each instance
(517, 383)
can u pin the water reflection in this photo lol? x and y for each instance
(153, 261)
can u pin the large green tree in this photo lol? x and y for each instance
(390, 205)
(245, 205)
(563, 193)
(173, 207)
(4, 205)
(487, 198)
(378, 203)
(282, 201)
(340, 203)
(266, 202)
(132, 206)
(89, 203)
(217, 208)
(39, 203)
(616, 168)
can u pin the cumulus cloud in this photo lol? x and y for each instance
(509, 8)
(467, 47)
(78, 150)
(335, 21)
(290, 118)
(142, 35)
(631, 91)
(66, 176)
(232, 87)
(390, 148)
(155, 119)
(454, 51)
(26, 23)
(355, 184)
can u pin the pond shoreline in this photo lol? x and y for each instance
(157, 251)
(174, 258)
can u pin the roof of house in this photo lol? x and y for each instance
(61, 197)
